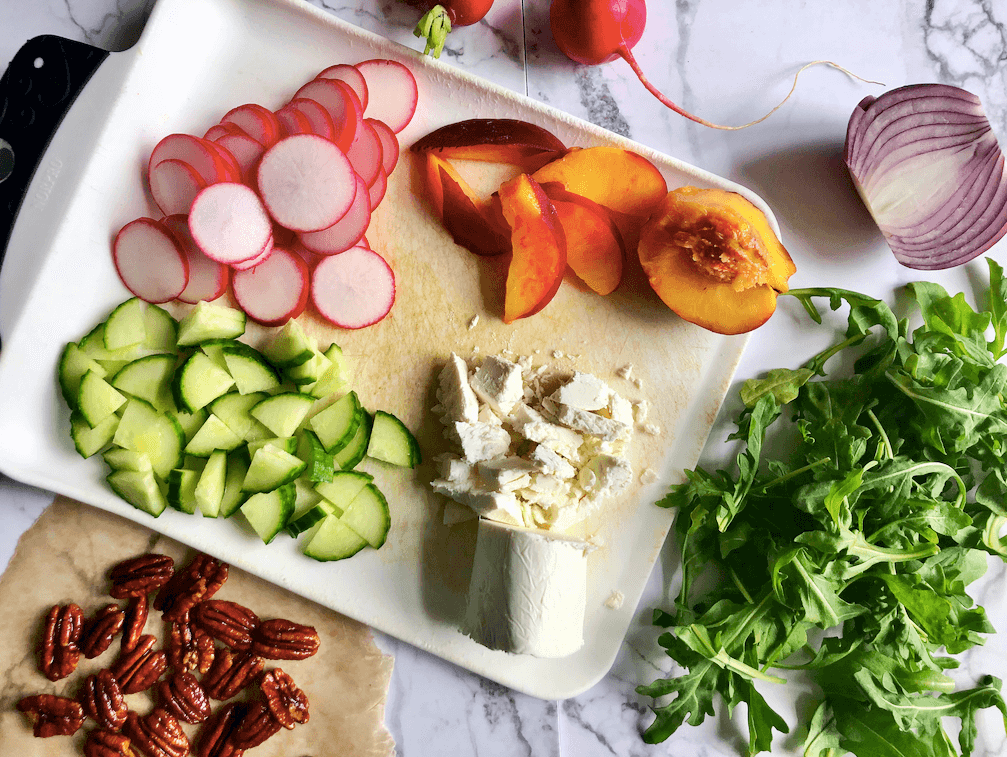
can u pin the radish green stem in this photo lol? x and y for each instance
(434, 26)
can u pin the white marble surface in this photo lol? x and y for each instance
(729, 62)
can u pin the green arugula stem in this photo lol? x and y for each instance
(885, 443)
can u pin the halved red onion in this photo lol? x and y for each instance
(927, 165)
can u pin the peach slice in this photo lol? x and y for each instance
(538, 248)
(494, 140)
(466, 217)
(594, 246)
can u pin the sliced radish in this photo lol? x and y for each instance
(283, 237)
(174, 184)
(306, 182)
(219, 130)
(353, 290)
(246, 151)
(342, 104)
(392, 90)
(376, 191)
(207, 278)
(233, 168)
(150, 261)
(292, 121)
(317, 114)
(229, 223)
(257, 122)
(192, 150)
(351, 76)
(274, 291)
(347, 231)
(262, 257)
(366, 155)
(389, 144)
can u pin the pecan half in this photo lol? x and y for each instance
(60, 652)
(136, 619)
(52, 715)
(183, 697)
(189, 647)
(140, 668)
(288, 703)
(256, 726)
(231, 672)
(226, 621)
(198, 580)
(141, 575)
(157, 734)
(107, 744)
(280, 639)
(102, 700)
(100, 629)
(215, 738)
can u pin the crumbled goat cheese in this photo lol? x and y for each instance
(626, 372)
(498, 384)
(615, 600)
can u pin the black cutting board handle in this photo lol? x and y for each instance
(36, 91)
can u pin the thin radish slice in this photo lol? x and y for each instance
(262, 257)
(274, 291)
(389, 144)
(246, 151)
(342, 104)
(229, 223)
(149, 261)
(219, 130)
(207, 278)
(376, 191)
(292, 121)
(353, 290)
(174, 184)
(347, 231)
(316, 113)
(306, 182)
(232, 171)
(257, 122)
(392, 90)
(192, 150)
(349, 130)
(351, 76)
(365, 154)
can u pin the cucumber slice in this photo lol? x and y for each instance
(97, 399)
(182, 489)
(309, 371)
(283, 413)
(125, 325)
(271, 468)
(368, 515)
(118, 458)
(336, 424)
(335, 380)
(161, 328)
(208, 321)
(89, 440)
(212, 436)
(214, 349)
(233, 409)
(286, 443)
(268, 512)
(349, 457)
(198, 382)
(391, 442)
(251, 371)
(73, 364)
(148, 378)
(209, 491)
(299, 523)
(318, 461)
(156, 435)
(234, 495)
(93, 345)
(306, 497)
(344, 487)
(190, 422)
(332, 540)
(290, 346)
(138, 488)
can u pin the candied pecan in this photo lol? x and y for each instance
(189, 647)
(101, 697)
(257, 725)
(140, 668)
(280, 639)
(52, 715)
(226, 621)
(215, 738)
(141, 575)
(60, 652)
(197, 581)
(157, 734)
(136, 619)
(182, 696)
(288, 703)
(107, 744)
(100, 629)
(231, 672)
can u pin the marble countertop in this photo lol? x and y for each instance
(729, 62)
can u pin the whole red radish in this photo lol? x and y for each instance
(439, 20)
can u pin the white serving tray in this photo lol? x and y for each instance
(195, 60)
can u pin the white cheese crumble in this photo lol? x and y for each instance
(615, 600)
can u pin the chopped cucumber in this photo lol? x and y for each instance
(319, 462)
(97, 399)
(158, 436)
(310, 371)
(214, 349)
(344, 487)
(198, 382)
(271, 468)
(73, 364)
(282, 413)
(290, 346)
(286, 443)
(234, 495)
(335, 379)
(368, 515)
(161, 328)
(208, 321)
(209, 491)
(148, 378)
(332, 540)
(299, 523)
(268, 512)
(233, 409)
(93, 345)
(89, 440)
(182, 489)
(190, 422)
(336, 424)
(118, 458)
(349, 457)
(213, 435)
(392, 442)
(125, 325)
(251, 371)
(139, 488)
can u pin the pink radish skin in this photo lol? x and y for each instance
(351, 76)
(342, 104)
(350, 131)
(306, 182)
(246, 151)
(192, 150)
(392, 90)
(274, 291)
(232, 170)
(218, 130)
(174, 184)
(353, 290)
(376, 191)
(229, 223)
(389, 144)
(149, 261)
(346, 232)
(257, 122)
(293, 121)
(365, 154)
(321, 121)
(262, 257)
(207, 278)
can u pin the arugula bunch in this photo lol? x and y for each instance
(871, 530)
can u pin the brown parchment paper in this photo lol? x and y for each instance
(65, 557)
